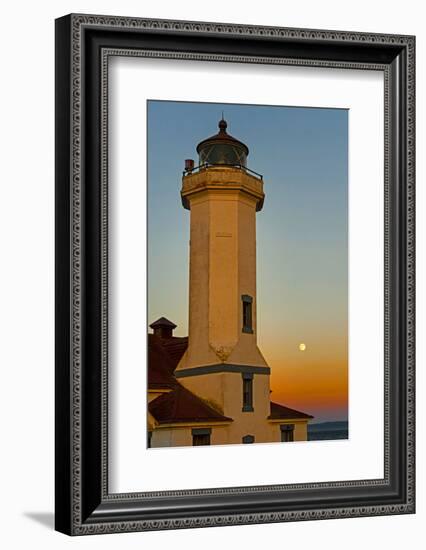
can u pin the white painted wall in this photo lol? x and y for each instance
(26, 301)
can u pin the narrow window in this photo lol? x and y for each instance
(247, 313)
(201, 436)
(287, 432)
(247, 391)
(248, 439)
(149, 439)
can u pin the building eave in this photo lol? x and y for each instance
(189, 424)
(289, 420)
(160, 389)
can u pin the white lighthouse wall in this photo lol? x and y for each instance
(222, 267)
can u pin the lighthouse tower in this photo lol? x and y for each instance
(223, 363)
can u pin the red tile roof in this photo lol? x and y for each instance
(175, 348)
(160, 365)
(180, 405)
(279, 411)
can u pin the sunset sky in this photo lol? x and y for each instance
(302, 235)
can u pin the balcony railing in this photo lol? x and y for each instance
(209, 165)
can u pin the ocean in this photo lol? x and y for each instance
(327, 431)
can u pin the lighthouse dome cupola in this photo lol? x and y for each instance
(222, 148)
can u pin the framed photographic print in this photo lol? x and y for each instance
(234, 274)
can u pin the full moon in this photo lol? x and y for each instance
(302, 346)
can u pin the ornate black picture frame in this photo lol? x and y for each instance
(83, 45)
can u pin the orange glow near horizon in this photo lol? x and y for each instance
(319, 387)
(313, 380)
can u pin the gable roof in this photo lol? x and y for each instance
(280, 412)
(181, 405)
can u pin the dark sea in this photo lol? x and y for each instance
(328, 430)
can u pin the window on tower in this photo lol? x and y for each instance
(247, 392)
(247, 313)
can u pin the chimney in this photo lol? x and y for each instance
(163, 328)
(189, 165)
